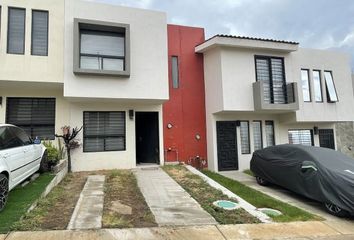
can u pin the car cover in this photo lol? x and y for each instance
(318, 173)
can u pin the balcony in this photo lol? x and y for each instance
(269, 102)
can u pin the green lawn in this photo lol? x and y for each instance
(249, 172)
(260, 200)
(20, 199)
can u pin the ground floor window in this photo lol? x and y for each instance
(301, 136)
(104, 131)
(245, 137)
(257, 135)
(269, 131)
(35, 115)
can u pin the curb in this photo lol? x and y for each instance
(244, 204)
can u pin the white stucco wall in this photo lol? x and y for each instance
(339, 64)
(88, 161)
(148, 52)
(16, 67)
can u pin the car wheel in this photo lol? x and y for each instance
(44, 163)
(4, 191)
(261, 181)
(335, 210)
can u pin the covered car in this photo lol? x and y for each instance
(321, 174)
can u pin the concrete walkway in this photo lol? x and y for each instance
(88, 210)
(168, 201)
(278, 231)
(343, 225)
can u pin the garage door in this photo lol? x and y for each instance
(227, 145)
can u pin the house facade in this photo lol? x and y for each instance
(263, 92)
(146, 92)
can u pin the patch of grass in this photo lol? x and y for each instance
(55, 210)
(249, 172)
(261, 200)
(121, 187)
(205, 195)
(20, 199)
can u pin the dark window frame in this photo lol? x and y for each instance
(249, 137)
(32, 126)
(124, 136)
(269, 59)
(175, 86)
(320, 78)
(261, 131)
(304, 129)
(308, 82)
(24, 30)
(47, 50)
(334, 86)
(100, 26)
(273, 129)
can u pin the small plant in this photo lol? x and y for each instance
(53, 154)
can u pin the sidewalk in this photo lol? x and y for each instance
(168, 201)
(279, 231)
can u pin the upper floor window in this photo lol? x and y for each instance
(16, 30)
(39, 33)
(305, 83)
(175, 72)
(317, 85)
(330, 88)
(271, 71)
(101, 48)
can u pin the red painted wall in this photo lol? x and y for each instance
(186, 108)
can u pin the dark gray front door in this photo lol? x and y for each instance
(227, 145)
(326, 138)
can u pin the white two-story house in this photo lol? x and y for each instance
(262, 92)
(81, 63)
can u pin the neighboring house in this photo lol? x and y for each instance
(261, 92)
(103, 67)
(184, 113)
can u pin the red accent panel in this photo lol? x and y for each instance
(186, 108)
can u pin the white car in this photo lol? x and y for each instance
(20, 157)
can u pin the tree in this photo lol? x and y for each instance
(68, 136)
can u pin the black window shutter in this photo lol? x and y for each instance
(16, 31)
(39, 33)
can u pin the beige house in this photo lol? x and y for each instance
(262, 92)
(59, 67)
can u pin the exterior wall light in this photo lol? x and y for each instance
(315, 130)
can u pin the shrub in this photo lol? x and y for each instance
(53, 154)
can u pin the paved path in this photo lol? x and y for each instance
(168, 201)
(345, 226)
(278, 231)
(88, 210)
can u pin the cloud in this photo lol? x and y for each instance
(319, 24)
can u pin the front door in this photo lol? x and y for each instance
(147, 137)
(326, 137)
(227, 145)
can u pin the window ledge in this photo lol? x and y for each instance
(102, 72)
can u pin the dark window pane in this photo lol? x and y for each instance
(303, 137)
(331, 90)
(35, 115)
(39, 33)
(16, 31)
(257, 135)
(175, 72)
(8, 139)
(21, 135)
(269, 129)
(104, 131)
(305, 83)
(245, 137)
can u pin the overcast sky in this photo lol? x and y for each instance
(323, 24)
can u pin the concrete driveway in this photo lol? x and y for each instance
(344, 226)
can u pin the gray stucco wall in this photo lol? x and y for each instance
(345, 137)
